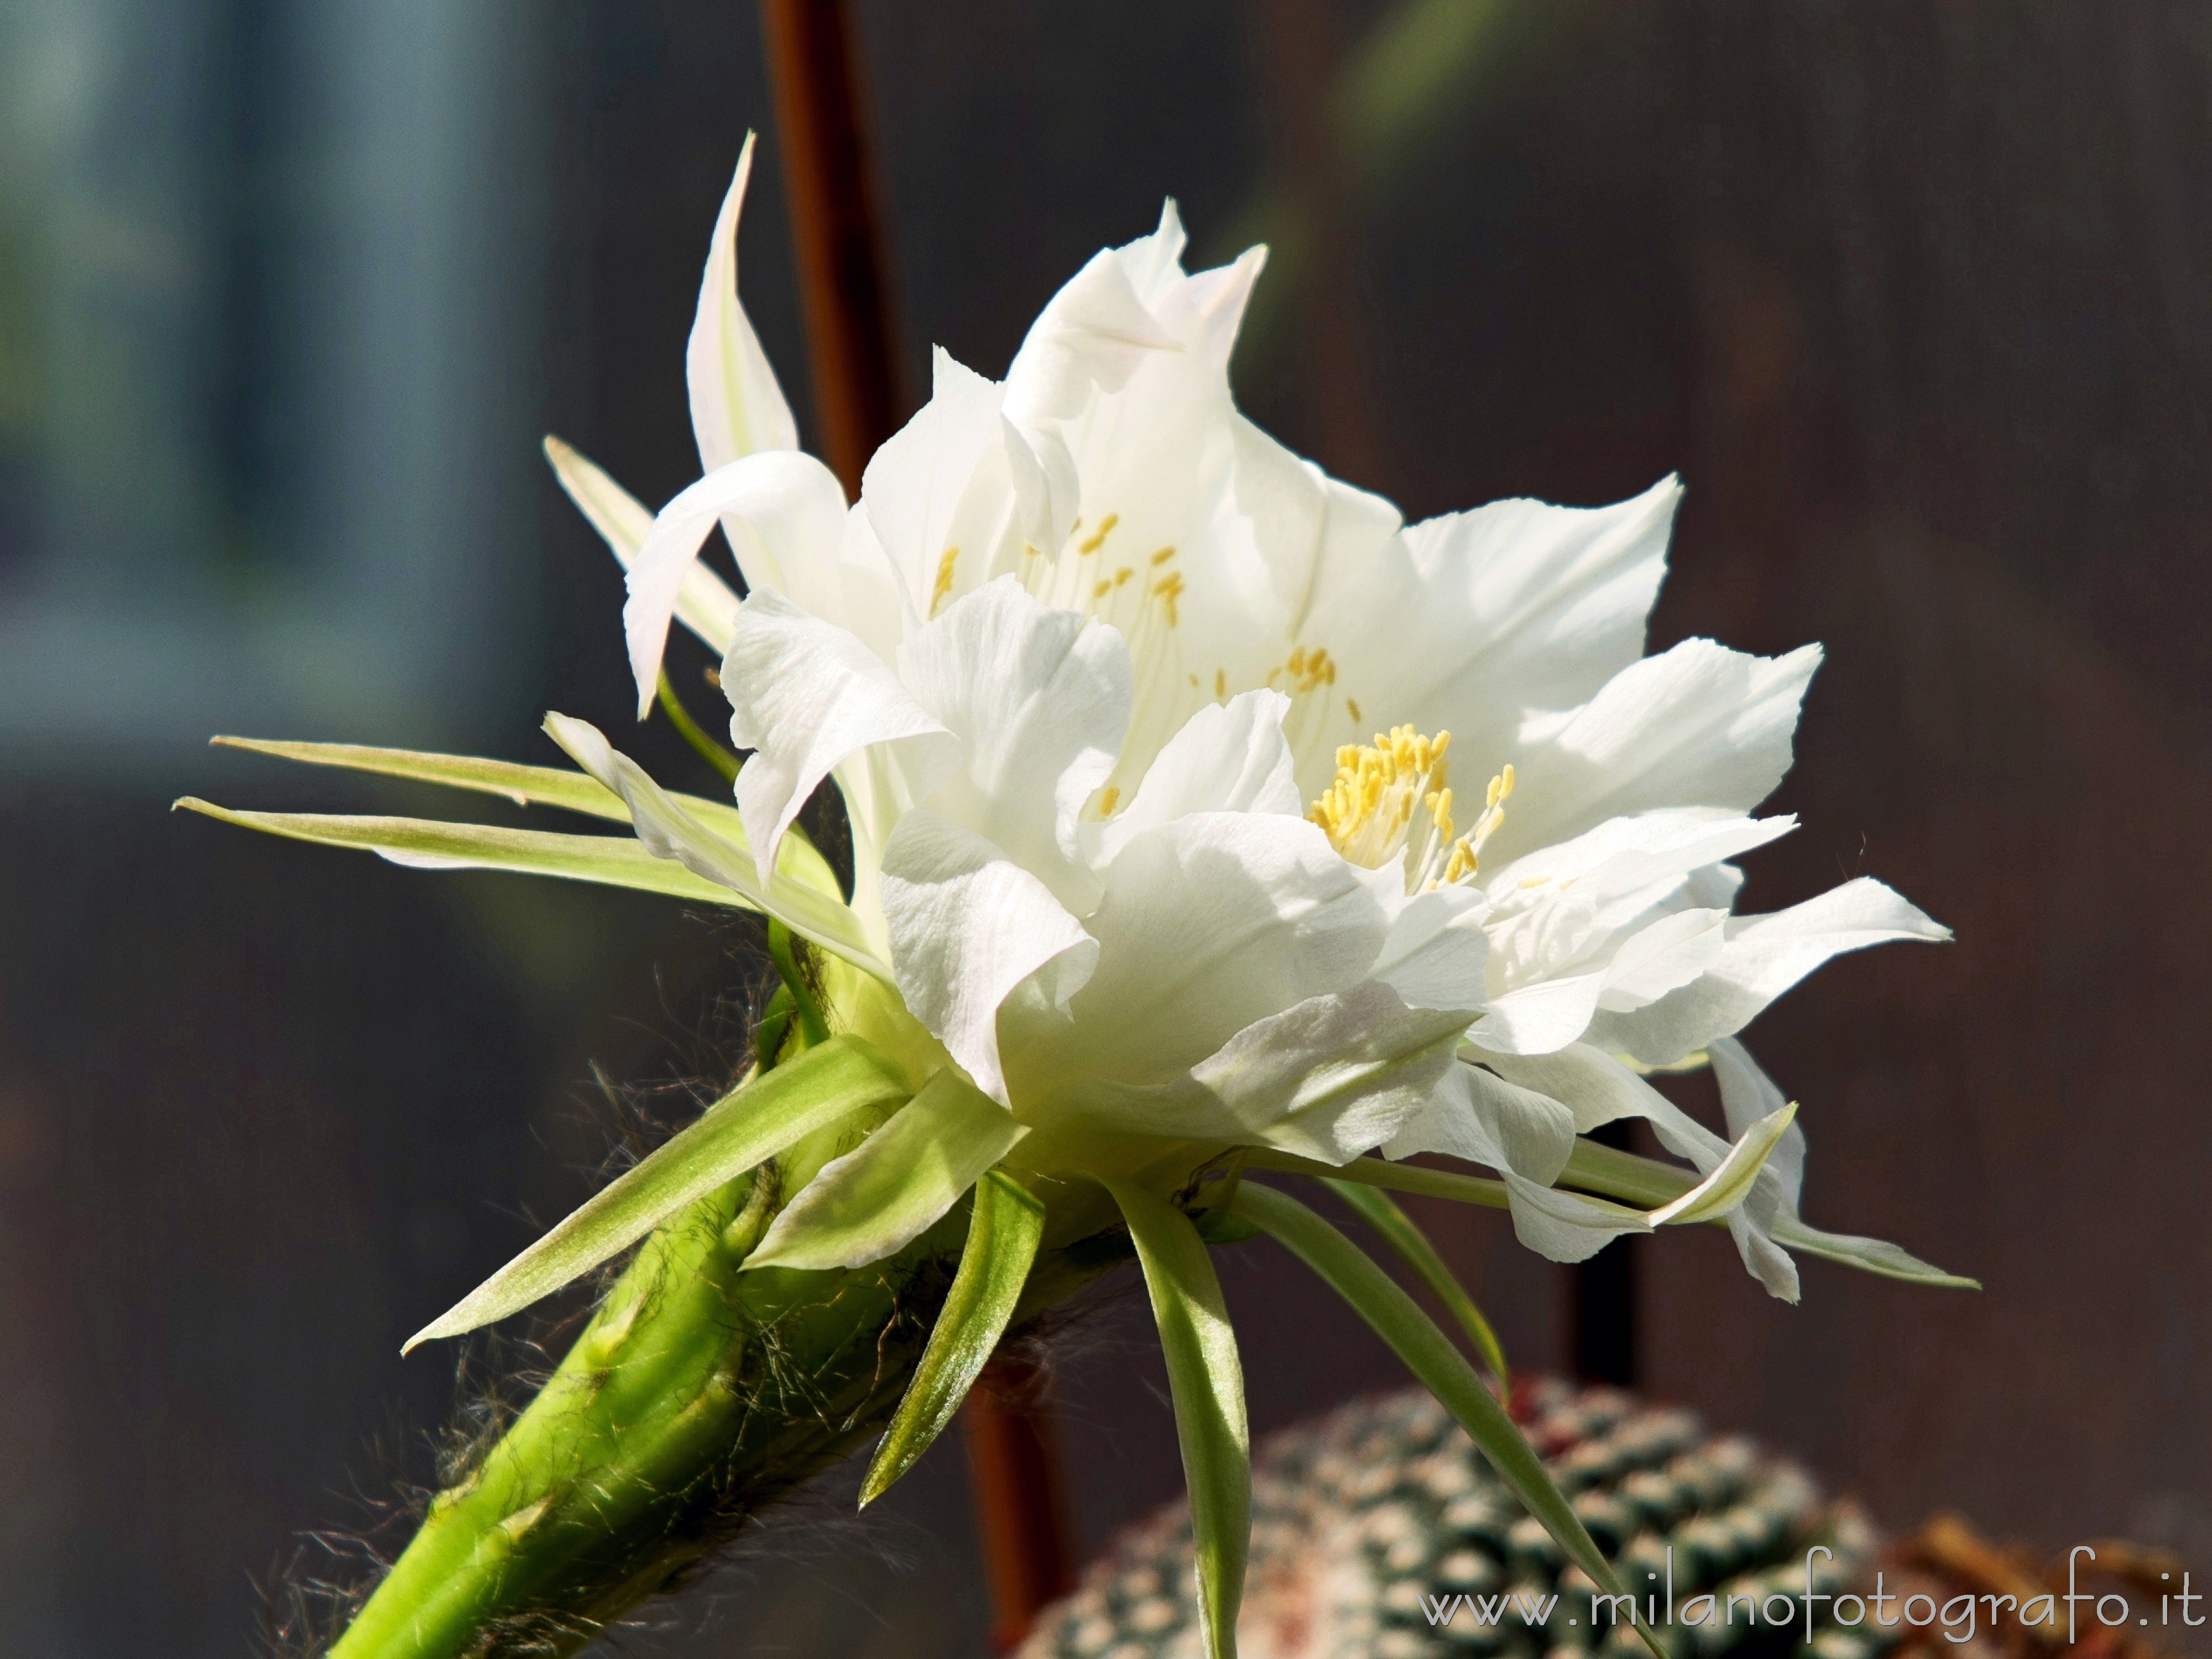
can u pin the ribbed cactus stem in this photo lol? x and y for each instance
(695, 1394)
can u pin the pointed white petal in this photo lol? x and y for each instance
(1329, 1078)
(785, 515)
(939, 493)
(704, 602)
(1539, 1018)
(1600, 922)
(1480, 1116)
(1227, 757)
(1437, 954)
(1698, 726)
(886, 1193)
(805, 694)
(1662, 957)
(736, 408)
(1763, 957)
(1091, 335)
(1038, 700)
(1747, 1094)
(967, 926)
(1598, 1090)
(1206, 925)
(1467, 623)
(1562, 1226)
(1731, 1180)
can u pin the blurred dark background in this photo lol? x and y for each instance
(1918, 297)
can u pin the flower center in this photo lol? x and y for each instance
(1396, 794)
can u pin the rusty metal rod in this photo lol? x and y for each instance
(838, 245)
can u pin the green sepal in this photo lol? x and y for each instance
(896, 1183)
(535, 786)
(1004, 1229)
(692, 732)
(1429, 1355)
(744, 1129)
(1599, 1169)
(433, 844)
(1206, 1381)
(1392, 1176)
(813, 1028)
(1399, 1230)
(773, 1027)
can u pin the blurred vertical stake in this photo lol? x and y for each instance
(837, 241)
(1603, 1301)
(836, 229)
(1021, 1504)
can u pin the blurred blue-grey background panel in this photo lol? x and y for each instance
(274, 310)
(1918, 298)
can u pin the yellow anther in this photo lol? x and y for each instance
(1352, 709)
(1122, 575)
(1093, 543)
(1163, 555)
(1505, 781)
(944, 579)
(1220, 683)
(1169, 589)
(1100, 590)
(1109, 798)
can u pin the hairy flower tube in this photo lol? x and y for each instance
(1206, 819)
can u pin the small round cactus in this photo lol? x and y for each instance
(1379, 1531)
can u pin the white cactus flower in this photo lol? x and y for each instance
(1089, 643)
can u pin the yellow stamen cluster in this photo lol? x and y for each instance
(1396, 792)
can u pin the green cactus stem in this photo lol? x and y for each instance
(697, 1394)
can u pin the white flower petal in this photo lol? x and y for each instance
(1731, 1180)
(1329, 1078)
(886, 1193)
(1091, 335)
(805, 694)
(1598, 1088)
(1563, 1226)
(1763, 957)
(1698, 726)
(736, 408)
(1227, 757)
(1038, 700)
(1437, 954)
(1748, 1095)
(1610, 903)
(1539, 1018)
(1662, 957)
(1480, 1117)
(967, 927)
(705, 604)
(939, 494)
(785, 515)
(1467, 622)
(1206, 925)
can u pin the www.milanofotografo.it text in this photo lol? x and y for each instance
(1958, 1614)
